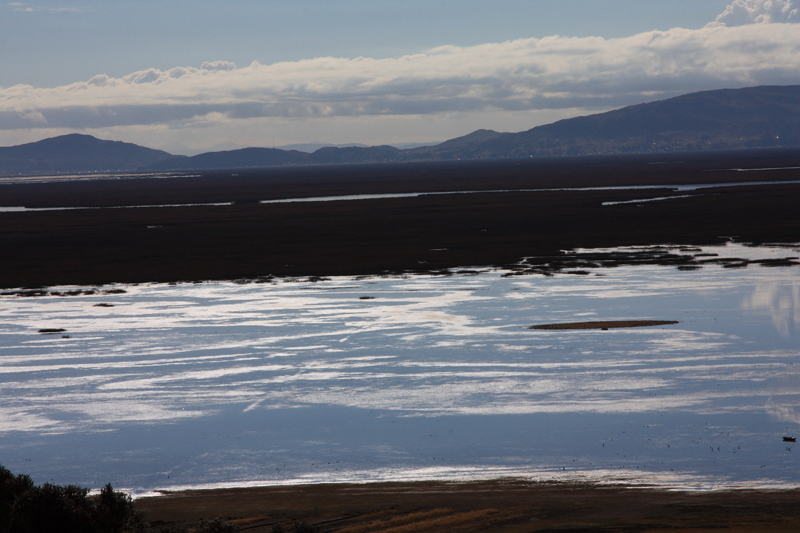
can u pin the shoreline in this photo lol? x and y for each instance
(568, 262)
(631, 483)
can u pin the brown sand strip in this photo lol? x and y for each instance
(498, 506)
(454, 522)
(396, 521)
(606, 324)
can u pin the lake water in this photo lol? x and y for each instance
(410, 377)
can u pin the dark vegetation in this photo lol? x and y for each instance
(682, 257)
(526, 231)
(29, 508)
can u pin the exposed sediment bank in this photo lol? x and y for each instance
(606, 324)
(247, 239)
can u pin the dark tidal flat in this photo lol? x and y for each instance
(248, 239)
(606, 324)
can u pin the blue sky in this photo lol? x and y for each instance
(190, 76)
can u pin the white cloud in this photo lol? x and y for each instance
(218, 65)
(520, 77)
(742, 12)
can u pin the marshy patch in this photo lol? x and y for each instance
(780, 262)
(25, 293)
(606, 324)
(74, 292)
(683, 258)
(114, 291)
(34, 292)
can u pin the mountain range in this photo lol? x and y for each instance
(754, 117)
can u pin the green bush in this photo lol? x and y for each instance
(27, 508)
(11, 488)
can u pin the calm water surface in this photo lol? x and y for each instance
(432, 377)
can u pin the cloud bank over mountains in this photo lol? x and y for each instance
(753, 42)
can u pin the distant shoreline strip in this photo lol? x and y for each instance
(606, 324)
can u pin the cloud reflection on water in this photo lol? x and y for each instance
(298, 370)
(782, 301)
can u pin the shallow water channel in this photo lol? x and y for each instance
(410, 377)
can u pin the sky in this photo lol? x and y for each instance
(190, 76)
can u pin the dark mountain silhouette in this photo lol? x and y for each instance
(354, 154)
(76, 153)
(459, 148)
(755, 117)
(242, 158)
(271, 157)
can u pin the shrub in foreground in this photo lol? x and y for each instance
(27, 508)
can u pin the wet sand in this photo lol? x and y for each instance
(505, 506)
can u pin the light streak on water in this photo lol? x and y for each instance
(435, 377)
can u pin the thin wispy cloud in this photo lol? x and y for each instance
(29, 8)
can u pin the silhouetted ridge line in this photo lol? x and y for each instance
(76, 153)
(726, 119)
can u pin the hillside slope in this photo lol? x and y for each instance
(76, 153)
(755, 117)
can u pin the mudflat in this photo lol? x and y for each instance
(248, 239)
(606, 324)
(499, 505)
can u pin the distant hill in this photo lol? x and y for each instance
(755, 117)
(313, 147)
(372, 154)
(242, 158)
(465, 147)
(272, 157)
(76, 153)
